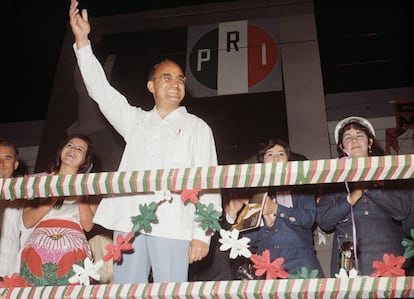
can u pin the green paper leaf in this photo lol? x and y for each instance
(409, 247)
(146, 217)
(305, 274)
(208, 217)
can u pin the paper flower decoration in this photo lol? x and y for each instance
(230, 240)
(343, 274)
(82, 274)
(208, 217)
(263, 265)
(122, 245)
(409, 245)
(190, 195)
(146, 217)
(390, 267)
(305, 274)
(14, 281)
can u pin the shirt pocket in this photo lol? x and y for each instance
(182, 153)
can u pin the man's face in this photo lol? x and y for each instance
(8, 162)
(168, 85)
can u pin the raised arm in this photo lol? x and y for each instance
(79, 24)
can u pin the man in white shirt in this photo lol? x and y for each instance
(10, 213)
(163, 138)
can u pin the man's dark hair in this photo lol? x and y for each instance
(12, 145)
(151, 73)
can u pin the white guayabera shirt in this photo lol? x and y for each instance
(180, 140)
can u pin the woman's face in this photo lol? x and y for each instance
(74, 152)
(275, 154)
(355, 143)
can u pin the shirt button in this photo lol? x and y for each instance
(276, 230)
(282, 215)
(276, 246)
(366, 213)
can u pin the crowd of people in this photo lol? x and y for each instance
(42, 239)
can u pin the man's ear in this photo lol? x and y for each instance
(150, 86)
(16, 164)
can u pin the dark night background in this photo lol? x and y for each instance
(364, 45)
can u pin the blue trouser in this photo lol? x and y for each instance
(168, 259)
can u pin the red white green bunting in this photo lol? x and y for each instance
(222, 176)
(359, 287)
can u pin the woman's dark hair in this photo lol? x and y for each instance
(265, 146)
(376, 150)
(86, 165)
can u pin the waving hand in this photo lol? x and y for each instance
(79, 24)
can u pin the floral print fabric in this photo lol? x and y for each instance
(51, 250)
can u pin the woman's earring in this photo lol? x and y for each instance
(369, 150)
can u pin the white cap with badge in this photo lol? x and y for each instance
(350, 119)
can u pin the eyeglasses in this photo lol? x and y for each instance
(168, 78)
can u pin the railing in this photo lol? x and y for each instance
(360, 287)
(223, 176)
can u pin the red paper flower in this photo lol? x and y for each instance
(14, 281)
(263, 265)
(122, 244)
(390, 267)
(190, 195)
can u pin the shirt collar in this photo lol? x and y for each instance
(174, 119)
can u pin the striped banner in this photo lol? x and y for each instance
(359, 287)
(391, 167)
